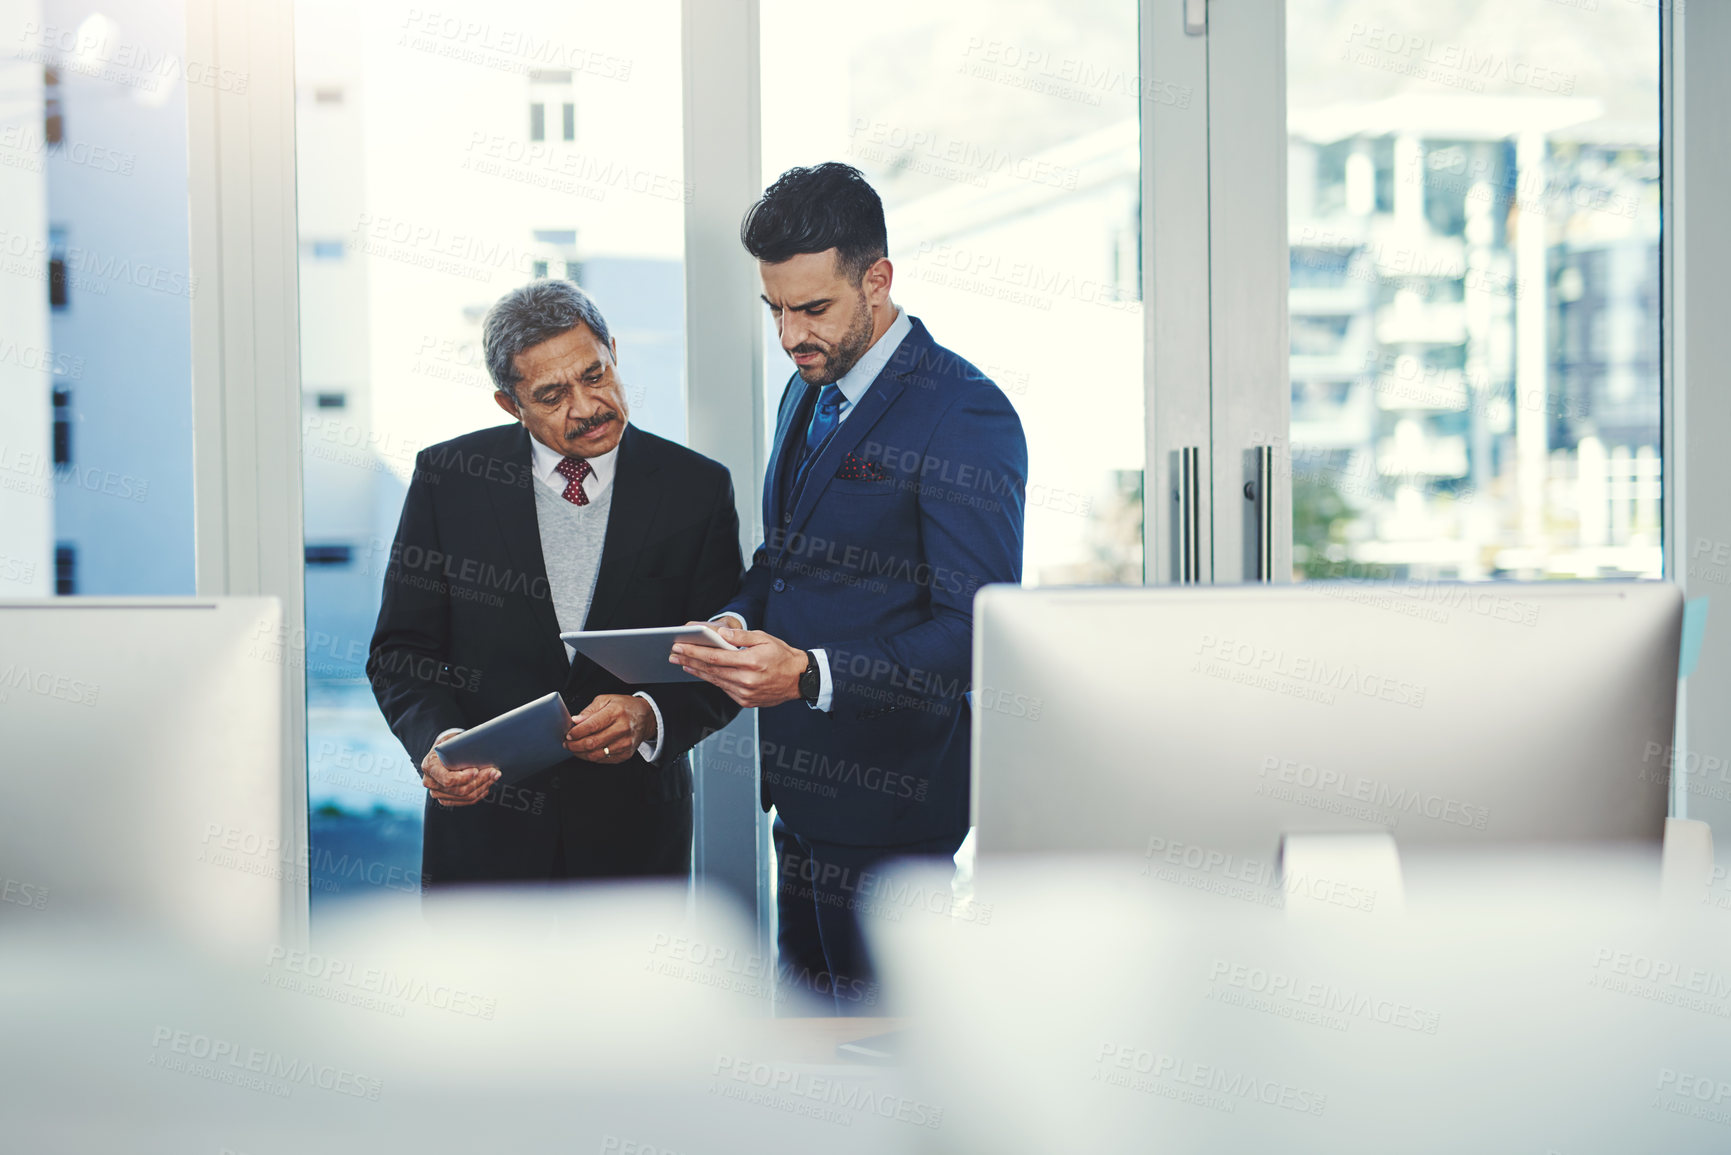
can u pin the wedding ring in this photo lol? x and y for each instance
(607, 752)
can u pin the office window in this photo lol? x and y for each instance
(551, 88)
(53, 118)
(428, 138)
(59, 296)
(62, 427)
(1005, 143)
(329, 554)
(65, 569)
(1474, 222)
(101, 215)
(59, 286)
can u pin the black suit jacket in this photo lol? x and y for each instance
(467, 630)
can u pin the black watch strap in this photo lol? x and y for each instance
(810, 684)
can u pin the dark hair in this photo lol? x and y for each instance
(525, 317)
(811, 210)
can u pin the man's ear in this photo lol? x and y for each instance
(508, 403)
(877, 281)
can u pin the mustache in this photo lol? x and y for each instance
(590, 424)
(798, 349)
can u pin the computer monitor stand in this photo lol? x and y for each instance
(1686, 869)
(1328, 875)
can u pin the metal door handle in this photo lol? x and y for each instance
(1261, 491)
(1195, 17)
(1189, 497)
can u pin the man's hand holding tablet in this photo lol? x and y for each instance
(610, 729)
(455, 785)
(761, 669)
(638, 657)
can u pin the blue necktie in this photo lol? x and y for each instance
(825, 416)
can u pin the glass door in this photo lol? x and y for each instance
(1004, 140)
(1473, 228)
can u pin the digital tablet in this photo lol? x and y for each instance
(639, 657)
(519, 742)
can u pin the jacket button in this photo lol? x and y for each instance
(786, 518)
(778, 585)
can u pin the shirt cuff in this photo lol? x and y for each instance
(740, 618)
(650, 751)
(825, 688)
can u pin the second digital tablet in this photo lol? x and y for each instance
(639, 657)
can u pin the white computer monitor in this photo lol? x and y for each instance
(142, 766)
(1221, 719)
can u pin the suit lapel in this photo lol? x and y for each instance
(636, 500)
(860, 420)
(792, 402)
(514, 509)
(891, 380)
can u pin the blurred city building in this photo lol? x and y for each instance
(96, 347)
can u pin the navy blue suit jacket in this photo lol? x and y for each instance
(915, 503)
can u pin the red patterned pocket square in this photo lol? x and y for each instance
(859, 469)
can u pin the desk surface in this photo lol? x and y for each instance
(814, 1040)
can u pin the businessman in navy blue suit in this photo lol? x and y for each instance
(895, 490)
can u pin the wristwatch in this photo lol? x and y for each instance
(810, 684)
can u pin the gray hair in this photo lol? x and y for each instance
(525, 317)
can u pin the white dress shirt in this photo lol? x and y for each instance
(544, 463)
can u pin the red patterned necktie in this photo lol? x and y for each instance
(574, 470)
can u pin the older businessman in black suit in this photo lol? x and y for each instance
(568, 518)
